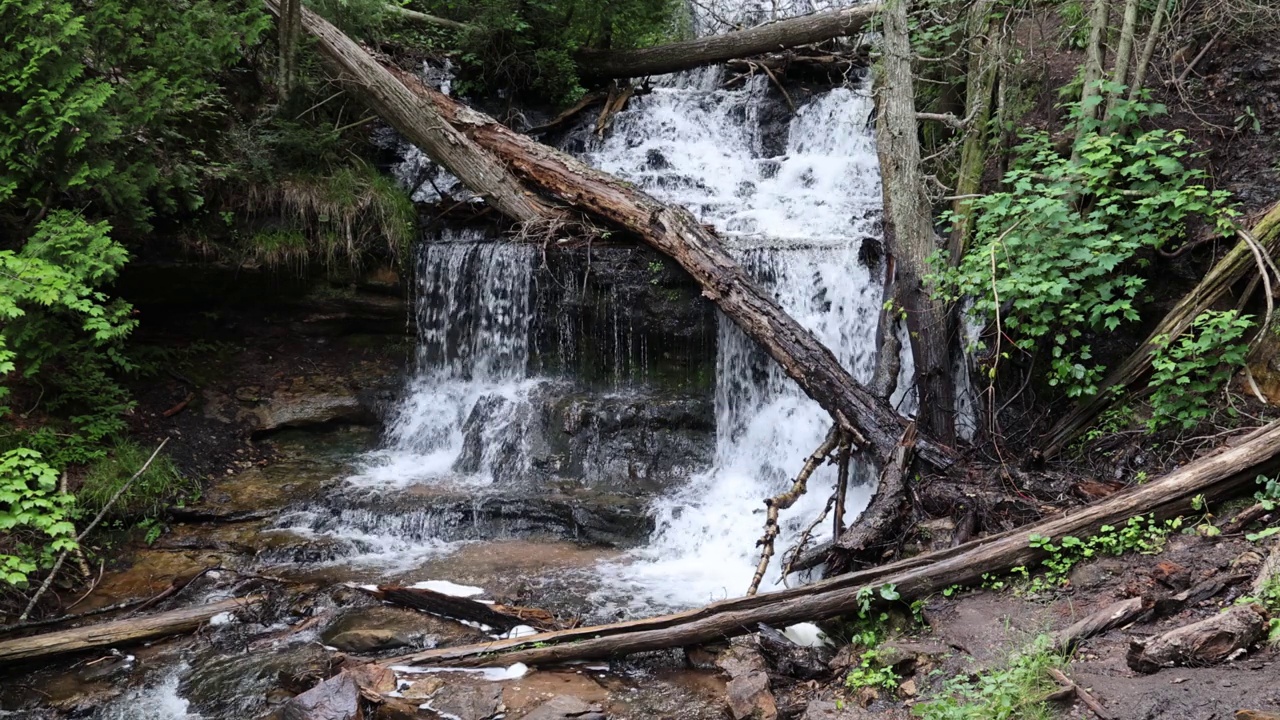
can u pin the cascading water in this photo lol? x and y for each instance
(473, 314)
(796, 216)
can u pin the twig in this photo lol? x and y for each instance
(786, 500)
(794, 554)
(842, 489)
(1183, 77)
(53, 572)
(1081, 693)
(122, 605)
(1264, 264)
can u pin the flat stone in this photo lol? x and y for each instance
(468, 702)
(563, 707)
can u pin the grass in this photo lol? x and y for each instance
(1015, 691)
(158, 488)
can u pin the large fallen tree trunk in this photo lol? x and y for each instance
(117, 632)
(672, 231)
(1213, 477)
(1215, 284)
(793, 32)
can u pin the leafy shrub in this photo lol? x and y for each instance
(1062, 248)
(1141, 534)
(34, 515)
(1189, 370)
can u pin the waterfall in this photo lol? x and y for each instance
(473, 312)
(795, 208)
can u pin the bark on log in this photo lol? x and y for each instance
(1207, 642)
(118, 632)
(1231, 268)
(425, 19)
(449, 606)
(1109, 617)
(1215, 477)
(688, 54)
(672, 231)
(418, 121)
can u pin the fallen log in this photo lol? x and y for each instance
(672, 231)
(118, 632)
(1109, 617)
(689, 54)
(1207, 642)
(1215, 284)
(1215, 477)
(449, 606)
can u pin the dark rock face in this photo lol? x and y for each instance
(618, 315)
(636, 442)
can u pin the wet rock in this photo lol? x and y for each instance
(747, 693)
(472, 701)
(373, 629)
(1093, 575)
(565, 707)
(241, 684)
(906, 656)
(337, 698)
(308, 410)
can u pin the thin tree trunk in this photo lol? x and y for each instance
(912, 237)
(1225, 273)
(1215, 477)
(425, 19)
(689, 54)
(390, 99)
(1124, 52)
(985, 58)
(1089, 97)
(290, 22)
(1148, 49)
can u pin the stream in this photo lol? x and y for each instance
(678, 425)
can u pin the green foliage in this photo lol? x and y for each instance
(1191, 369)
(1063, 247)
(527, 46)
(1269, 498)
(870, 673)
(159, 487)
(1141, 534)
(34, 515)
(101, 98)
(1012, 692)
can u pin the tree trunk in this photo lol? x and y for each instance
(425, 19)
(1124, 52)
(1089, 97)
(290, 22)
(118, 632)
(688, 54)
(985, 57)
(1214, 477)
(912, 240)
(1215, 284)
(1148, 49)
(476, 169)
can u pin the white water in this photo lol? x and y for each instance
(473, 316)
(158, 701)
(797, 222)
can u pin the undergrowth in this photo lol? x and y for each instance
(1142, 534)
(159, 487)
(1016, 691)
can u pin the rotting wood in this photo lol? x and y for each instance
(1110, 617)
(424, 18)
(118, 632)
(1085, 697)
(1245, 518)
(877, 521)
(1215, 284)
(1216, 476)
(421, 123)
(689, 54)
(673, 231)
(1197, 593)
(1207, 642)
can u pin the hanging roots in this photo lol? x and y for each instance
(787, 499)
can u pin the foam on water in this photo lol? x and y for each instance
(158, 701)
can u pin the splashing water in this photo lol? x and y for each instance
(796, 220)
